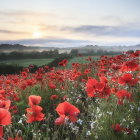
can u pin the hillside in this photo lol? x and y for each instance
(21, 48)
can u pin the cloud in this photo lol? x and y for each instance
(24, 13)
(25, 16)
(11, 32)
(115, 31)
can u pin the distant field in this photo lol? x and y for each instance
(40, 62)
(27, 62)
(81, 60)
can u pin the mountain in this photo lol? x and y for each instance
(121, 48)
(81, 49)
(9, 46)
(21, 48)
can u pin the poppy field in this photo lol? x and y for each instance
(96, 100)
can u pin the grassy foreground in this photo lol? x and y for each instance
(98, 100)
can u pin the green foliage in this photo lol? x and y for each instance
(27, 62)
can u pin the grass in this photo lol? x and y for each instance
(81, 60)
(27, 62)
(40, 62)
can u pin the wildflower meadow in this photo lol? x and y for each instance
(96, 100)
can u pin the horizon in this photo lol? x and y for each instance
(70, 47)
(64, 23)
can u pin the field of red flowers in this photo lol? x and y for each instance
(96, 100)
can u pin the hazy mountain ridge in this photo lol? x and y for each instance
(18, 47)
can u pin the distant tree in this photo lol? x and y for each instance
(74, 52)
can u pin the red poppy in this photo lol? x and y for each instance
(60, 120)
(97, 89)
(115, 66)
(100, 87)
(91, 87)
(89, 58)
(67, 110)
(53, 97)
(24, 74)
(31, 66)
(26, 69)
(133, 81)
(127, 130)
(129, 66)
(127, 79)
(5, 104)
(52, 86)
(63, 63)
(5, 117)
(64, 98)
(16, 138)
(46, 67)
(117, 127)
(103, 79)
(34, 114)
(2, 91)
(34, 100)
(1, 131)
(135, 54)
(121, 94)
(23, 86)
(87, 71)
(30, 82)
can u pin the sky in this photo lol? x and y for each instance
(70, 23)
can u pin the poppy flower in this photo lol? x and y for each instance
(117, 127)
(46, 67)
(127, 78)
(133, 81)
(1, 131)
(115, 66)
(52, 86)
(53, 97)
(121, 94)
(129, 66)
(2, 91)
(97, 89)
(103, 79)
(24, 74)
(135, 54)
(34, 100)
(5, 117)
(67, 110)
(23, 86)
(89, 58)
(5, 104)
(60, 120)
(31, 66)
(34, 114)
(63, 63)
(127, 130)
(86, 71)
(30, 82)
(91, 87)
(16, 138)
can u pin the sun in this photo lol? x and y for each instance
(37, 34)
